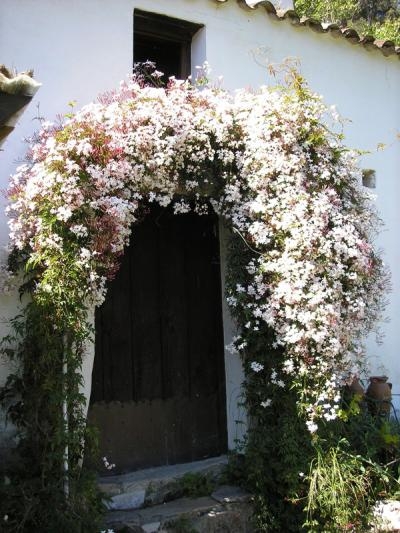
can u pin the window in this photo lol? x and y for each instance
(164, 40)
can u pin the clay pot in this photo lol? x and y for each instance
(379, 396)
(356, 388)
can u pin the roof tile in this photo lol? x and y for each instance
(350, 34)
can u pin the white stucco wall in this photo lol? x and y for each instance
(79, 48)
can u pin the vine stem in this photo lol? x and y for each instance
(245, 242)
(65, 418)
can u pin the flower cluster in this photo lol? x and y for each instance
(272, 169)
(107, 464)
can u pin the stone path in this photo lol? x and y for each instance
(227, 510)
(151, 500)
(153, 486)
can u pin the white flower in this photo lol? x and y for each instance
(256, 367)
(311, 426)
(107, 464)
(64, 213)
(266, 403)
(85, 254)
(181, 207)
(231, 348)
(79, 230)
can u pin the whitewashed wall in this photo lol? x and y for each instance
(79, 48)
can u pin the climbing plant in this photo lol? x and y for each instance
(304, 283)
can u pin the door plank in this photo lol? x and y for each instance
(145, 319)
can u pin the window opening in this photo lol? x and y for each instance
(164, 40)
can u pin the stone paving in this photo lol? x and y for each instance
(153, 486)
(227, 510)
(149, 501)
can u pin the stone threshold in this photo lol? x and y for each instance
(227, 509)
(153, 486)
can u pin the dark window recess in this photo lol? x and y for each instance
(164, 40)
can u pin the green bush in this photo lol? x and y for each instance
(195, 484)
(343, 487)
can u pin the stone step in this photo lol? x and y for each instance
(386, 517)
(154, 486)
(227, 509)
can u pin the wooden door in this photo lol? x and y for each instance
(158, 392)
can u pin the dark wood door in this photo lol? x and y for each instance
(158, 392)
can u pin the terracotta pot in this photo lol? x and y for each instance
(379, 396)
(356, 388)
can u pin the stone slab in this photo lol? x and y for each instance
(127, 528)
(111, 489)
(235, 519)
(387, 516)
(141, 479)
(202, 515)
(230, 494)
(157, 493)
(152, 527)
(130, 500)
(164, 512)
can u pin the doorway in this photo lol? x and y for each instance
(158, 391)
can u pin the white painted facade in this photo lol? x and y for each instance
(80, 48)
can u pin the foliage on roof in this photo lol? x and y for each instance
(380, 18)
(361, 36)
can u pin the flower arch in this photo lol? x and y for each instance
(306, 285)
(270, 167)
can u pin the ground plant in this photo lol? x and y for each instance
(305, 283)
(195, 484)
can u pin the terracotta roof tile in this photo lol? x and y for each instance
(22, 84)
(16, 91)
(369, 42)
